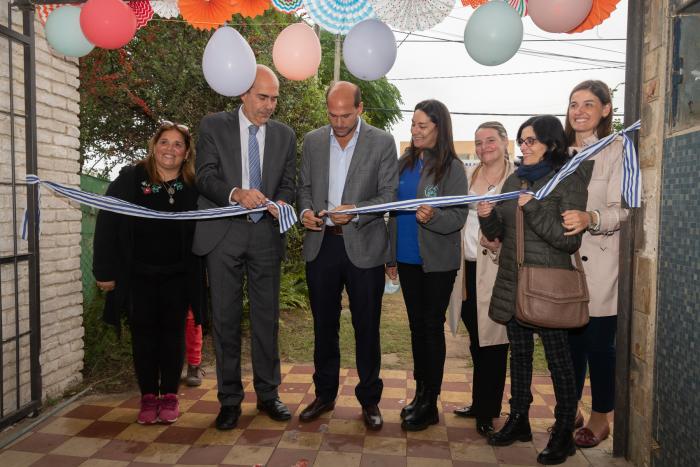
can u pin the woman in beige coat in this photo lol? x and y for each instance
(472, 291)
(589, 118)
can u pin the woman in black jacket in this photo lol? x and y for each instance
(543, 144)
(147, 268)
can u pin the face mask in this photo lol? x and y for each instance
(390, 287)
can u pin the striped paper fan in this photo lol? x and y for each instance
(142, 10)
(519, 5)
(287, 6)
(600, 11)
(43, 12)
(165, 8)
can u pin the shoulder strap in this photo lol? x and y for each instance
(519, 237)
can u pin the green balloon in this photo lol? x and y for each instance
(493, 33)
(64, 34)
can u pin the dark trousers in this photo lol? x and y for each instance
(255, 251)
(561, 369)
(490, 362)
(427, 295)
(326, 276)
(593, 348)
(157, 325)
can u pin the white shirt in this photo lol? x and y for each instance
(243, 124)
(471, 233)
(338, 167)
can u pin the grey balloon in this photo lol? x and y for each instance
(493, 33)
(228, 62)
(369, 50)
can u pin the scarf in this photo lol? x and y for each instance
(534, 172)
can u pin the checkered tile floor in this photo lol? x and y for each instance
(101, 431)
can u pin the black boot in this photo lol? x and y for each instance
(408, 408)
(517, 428)
(559, 448)
(424, 414)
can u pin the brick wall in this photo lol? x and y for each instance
(57, 107)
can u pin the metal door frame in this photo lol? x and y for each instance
(26, 40)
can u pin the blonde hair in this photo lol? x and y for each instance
(187, 169)
(501, 130)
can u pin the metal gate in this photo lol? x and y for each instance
(20, 371)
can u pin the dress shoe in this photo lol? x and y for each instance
(275, 409)
(578, 421)
(372, 416)
(559, 448)
(228, 417)
(517, 428)
(484, 426)
(585, 438)
(465, 411)
(408, 408)
(424, 414)
(315, 409)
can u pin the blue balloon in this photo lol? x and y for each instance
(493, 33)
(63, 32)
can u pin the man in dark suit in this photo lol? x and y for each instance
(245, 157)
(346, 164)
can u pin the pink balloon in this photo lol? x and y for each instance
(109, 24)
(297, 52)
(558, 15)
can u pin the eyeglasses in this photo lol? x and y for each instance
(179, 125)
(529, 141)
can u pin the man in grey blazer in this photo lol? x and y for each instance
(245, 157)
(346, 164)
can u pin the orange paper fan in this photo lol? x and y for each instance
(250, 8)
(600, 11)
(474, 3)
(206, 14)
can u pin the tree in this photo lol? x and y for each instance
(158, 76)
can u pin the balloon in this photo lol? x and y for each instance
(63, 32)
(369, 50)
(297, 52)
(109, 24)
(228, 62)
(493, 33)
(558, 15)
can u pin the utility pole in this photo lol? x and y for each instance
(336, 67)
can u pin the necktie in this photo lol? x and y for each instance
(254, 175)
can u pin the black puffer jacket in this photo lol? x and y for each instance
(545, 243)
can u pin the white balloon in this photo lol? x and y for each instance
(228, 62)
(369, 50)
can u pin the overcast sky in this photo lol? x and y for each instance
(527, 94)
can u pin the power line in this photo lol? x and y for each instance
(489, 75)
(488, 114)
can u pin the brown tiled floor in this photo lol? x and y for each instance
(100, 431)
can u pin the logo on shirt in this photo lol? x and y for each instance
(431, 191)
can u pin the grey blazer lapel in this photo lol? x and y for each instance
(324, 162)
(232, 140)
(364, 140)
(272, 153)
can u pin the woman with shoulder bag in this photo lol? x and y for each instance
(542, 142)
(471, 295)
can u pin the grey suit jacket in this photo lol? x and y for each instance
(440, 239)
(372, 179)
(218, 170)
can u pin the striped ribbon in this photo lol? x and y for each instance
(287, 215)
(631, 181)
(631, 191)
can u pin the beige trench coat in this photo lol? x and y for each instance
(490, 332)
(600, 251)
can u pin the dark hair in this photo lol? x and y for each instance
(602, 92)
(187, 169)
(549, 132)
(358, 92)
(444, 149)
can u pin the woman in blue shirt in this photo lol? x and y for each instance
(427, 250)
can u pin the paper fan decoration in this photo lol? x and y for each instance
(474, 3)
(165, 8)
(518, 5)
(250, 8)
(43, 11)
(143, 12)
(600, 11)
(206, 14)
(338, 16)
(409, 15)
(287, 6)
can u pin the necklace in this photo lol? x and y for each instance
(170, 189)
(491, 185)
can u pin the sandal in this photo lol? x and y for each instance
(585, 438)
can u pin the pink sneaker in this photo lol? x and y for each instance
(149, 409)
(169, 408)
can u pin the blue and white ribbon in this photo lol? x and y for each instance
(631, 181)
(287, 215)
